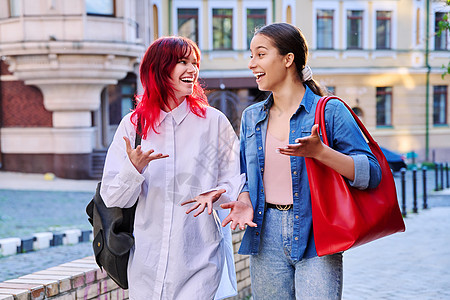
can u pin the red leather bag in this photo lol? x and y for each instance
(343, 216)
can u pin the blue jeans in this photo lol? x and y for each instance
(275, 275)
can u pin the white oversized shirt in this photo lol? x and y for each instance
(177, 255)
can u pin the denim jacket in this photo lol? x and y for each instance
(344, 136)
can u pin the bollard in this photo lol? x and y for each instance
(403, 172)
(446, 172)
(441, 187)
(414, 182)
(436, 177)
(424, 179)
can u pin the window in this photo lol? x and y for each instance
(325, 29)
(440, 42)
(14, 8)
(121, 98)
(289, 14)
(255, 18)
(188, 23)
(155, 22)
(100, 7)
(222, 29)
(384, 106)
(383, 35)
(440, 104)
(354, 29)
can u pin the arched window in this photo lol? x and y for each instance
(358, 111)
(289, 14)
(155, 22)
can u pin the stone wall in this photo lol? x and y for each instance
(83, 279)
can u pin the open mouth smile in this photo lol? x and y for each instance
(259, 75)
(188, 80)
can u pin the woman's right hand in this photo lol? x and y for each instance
(141, 159)
(241, 212)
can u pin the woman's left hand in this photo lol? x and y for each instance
(310, 146)
(202, 201)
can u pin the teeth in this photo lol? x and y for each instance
(258, 75)
(189, 80)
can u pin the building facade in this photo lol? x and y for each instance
(69, 69)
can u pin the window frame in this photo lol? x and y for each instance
(444, 94)
(17, 6)
(360, 45)
(223, 17)
(437, 7)
(197, 4)
(286, 4)
(384, 6)
(192, 16)
(387, 35)
(218, 4)
(383, 93)
(444, 35)
(102, 14)
(327, 5)
(247, 41)
(332, 18)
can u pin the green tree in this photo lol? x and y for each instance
(444, 26)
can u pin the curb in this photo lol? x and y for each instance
(43, 240)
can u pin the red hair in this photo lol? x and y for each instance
(155, 70)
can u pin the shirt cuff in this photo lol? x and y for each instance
(244, 188)
(362, 172)
(129, 175)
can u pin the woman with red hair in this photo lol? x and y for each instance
(189, 154)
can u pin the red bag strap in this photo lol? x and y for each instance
(320, 119)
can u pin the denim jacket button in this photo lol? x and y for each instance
(295, 172)
(259, 148)
(257, 128)
(257, 233)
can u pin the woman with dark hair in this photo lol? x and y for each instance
(275, 203)
(189, 154)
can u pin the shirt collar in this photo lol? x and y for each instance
(178, 113)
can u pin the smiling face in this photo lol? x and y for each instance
(183, 76)
(267, 64)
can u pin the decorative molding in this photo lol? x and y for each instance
(16, 140)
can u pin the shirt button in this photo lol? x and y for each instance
(262, 191)
(259, 212)
(262, 169)
(295, 172)
(293, 131)
(296, 238)
(259, 148)
(296, 194)
(296, 216)
(257, 128)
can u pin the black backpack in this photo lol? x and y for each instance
(113, 235)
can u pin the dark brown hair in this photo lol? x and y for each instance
(289, 39)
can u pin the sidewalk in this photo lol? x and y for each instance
(38, 182)
(410, 265)
(414, 264)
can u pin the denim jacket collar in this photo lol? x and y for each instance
(307, 102)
